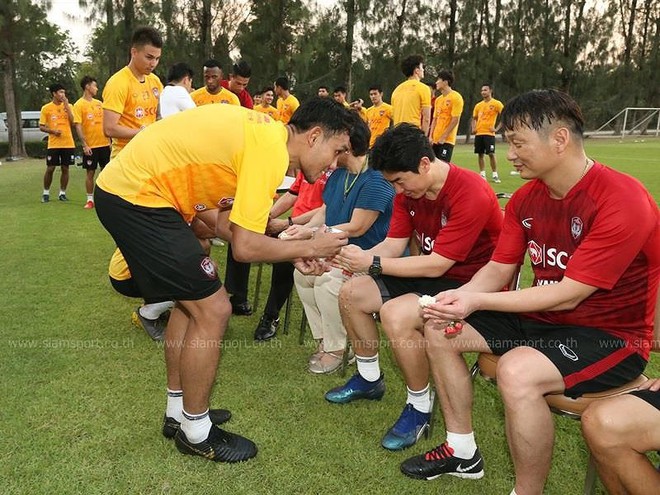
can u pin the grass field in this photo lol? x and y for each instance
(83, 391)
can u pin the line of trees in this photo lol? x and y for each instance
(606, 54)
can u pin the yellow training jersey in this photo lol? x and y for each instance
(118, 268)
(136, 102)
(202, 96)
(89, 114)
(379, 119)
(56, 117)
(408, 99)
(446, 107)
(286, 107)
(269, 110)
(485, 113)
(201, 159)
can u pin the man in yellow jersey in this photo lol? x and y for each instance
(323, 91)
(88, 120)
(339, 95)
(213, 92)
(55, 120)
(411, 100)
(266, 105)
(147, 195)
(484, 118)
(130, 97)
(446, 115)
(379, 116)
(286, 102)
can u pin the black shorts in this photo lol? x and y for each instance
(99, 158)
(56, 157)
(652, 398)
(391, 287)
(589, 359)
(443, 151)
(126, 287)
(484, 144)
(165, 258)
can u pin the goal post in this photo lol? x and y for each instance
(629, 121)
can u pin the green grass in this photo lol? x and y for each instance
(82, 392)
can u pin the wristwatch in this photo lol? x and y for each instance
(375, 270)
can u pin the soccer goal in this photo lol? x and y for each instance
(631, 121)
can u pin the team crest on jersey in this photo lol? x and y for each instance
(443, 220)
(412, 213)
(155, 92)
(200, 207)
(226, 202)
(527, 222)
(139, 112)
(576, 227)
(208, 267)
(535, 252)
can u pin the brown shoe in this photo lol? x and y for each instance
(328, 362)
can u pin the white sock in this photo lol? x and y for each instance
(420, 399)
(483, 174)
(368, 367)
(46, 192)
(513, 492)
(62, 192)
(174, 404)
(154, 310)
(463, 444)
(196, 426)
(495, 176)
(90, 197)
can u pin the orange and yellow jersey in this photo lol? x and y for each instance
(136, 102)
(485, 114)
(269, 110)
(446, 107)
(379, 119)
(202, 159)
(56, 117)
(286, 107)
(408, 99)
(89, 114)
(202, 96)
(118, 268)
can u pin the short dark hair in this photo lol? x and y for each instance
(322, 87)
(242, 69)
(490, 85)
(146, 35)
(446, 75)
(86, 80)
(282, 82)
(178, 71)
(326, 113)
(55, 87)
(359, 134)
(210, 63)
(410, 63)
(400, 149)
(376, 87)
(339, 89)
(540, 107)
(267, 88)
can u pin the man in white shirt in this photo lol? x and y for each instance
(175, 97)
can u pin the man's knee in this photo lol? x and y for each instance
(524, 372)
(400, 315)
(603, 425)
(356, 294)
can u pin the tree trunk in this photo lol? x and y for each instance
(113, 60)
(451, 35)
(14, 122)
(400, 23)
(205, 28)
(347, 63)
(129, 25)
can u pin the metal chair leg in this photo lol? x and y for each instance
(590, 478)
(257, 287)
(287, 314)
(303, 327)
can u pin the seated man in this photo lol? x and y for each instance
(455, 218)
(619, 431)
(593, 238)
(306, 199)
(356, 200)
